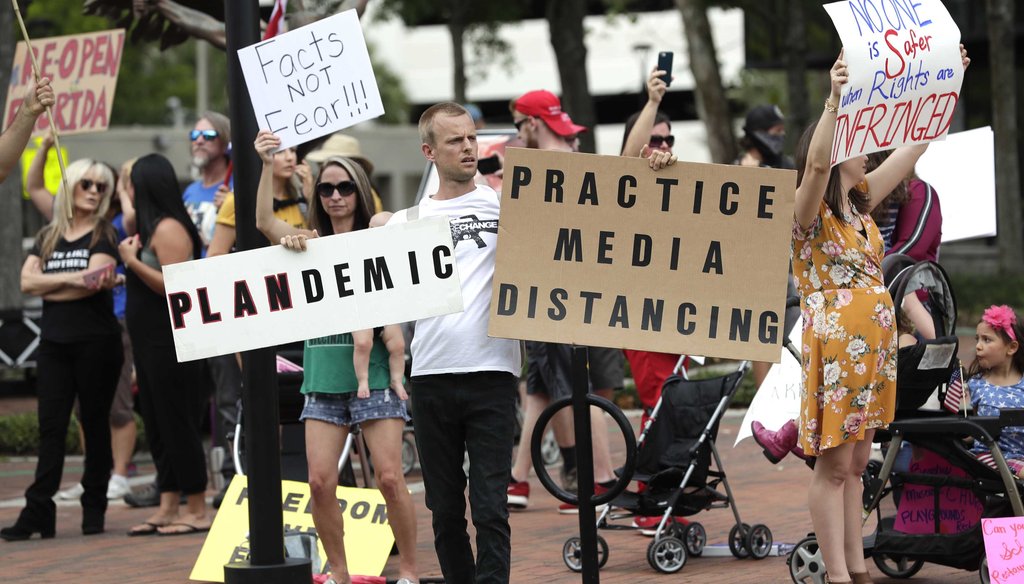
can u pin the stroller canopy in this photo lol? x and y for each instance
(903, 276)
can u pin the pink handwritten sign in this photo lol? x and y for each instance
(1004, 547)
(959, 510)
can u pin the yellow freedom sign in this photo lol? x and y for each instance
(368, 537)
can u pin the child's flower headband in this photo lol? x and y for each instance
(1002, 318)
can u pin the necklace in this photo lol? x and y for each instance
(849, 215)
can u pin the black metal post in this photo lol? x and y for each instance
(267, 564)
(584, 465)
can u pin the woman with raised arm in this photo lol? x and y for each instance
(348, 378)
(849, 337)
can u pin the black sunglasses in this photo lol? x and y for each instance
(208, 134)
(519, 124)
(345, 188)
(657, 140)
(86, 184)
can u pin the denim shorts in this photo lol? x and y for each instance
(345, 409)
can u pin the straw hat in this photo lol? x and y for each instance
(341, 145)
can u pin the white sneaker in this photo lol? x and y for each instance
(72, 493)
(118, 487)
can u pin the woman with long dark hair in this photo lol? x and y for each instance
(348, 378)
(170, 393)
(849, 336)
(71, 267)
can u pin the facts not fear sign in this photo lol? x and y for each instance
(312, 81)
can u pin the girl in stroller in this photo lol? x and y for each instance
(995, 380)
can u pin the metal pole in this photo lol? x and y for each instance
(267, 564)
(584, 465)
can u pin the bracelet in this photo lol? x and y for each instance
(831, 107)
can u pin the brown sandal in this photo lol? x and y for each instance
(829, 580)
(861, 578)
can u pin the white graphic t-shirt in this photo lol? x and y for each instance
(458, 343)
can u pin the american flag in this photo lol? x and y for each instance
(274, 26)
(955, 392)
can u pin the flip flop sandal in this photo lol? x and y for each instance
(148, 529)
(188, 529)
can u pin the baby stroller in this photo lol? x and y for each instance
(674, 455)
(923, 369)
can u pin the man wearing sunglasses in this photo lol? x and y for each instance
(209, 146)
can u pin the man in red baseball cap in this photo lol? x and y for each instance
(541, 123)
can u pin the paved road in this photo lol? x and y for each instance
(773, 495)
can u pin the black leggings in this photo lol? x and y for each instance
(172, 397)
(89, 371)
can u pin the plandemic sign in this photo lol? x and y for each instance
(342, 283)
(604, 251)
(312, 81)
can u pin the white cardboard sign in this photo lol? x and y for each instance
(353, 281)
(777, 401)
(968, 199)
(903, 58)
(312, 81)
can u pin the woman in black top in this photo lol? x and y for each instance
(171, 394)
(72, 267)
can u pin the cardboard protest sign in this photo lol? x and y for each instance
(968, 199)
(958, 508)
(1004, 548)
(312, 81)
(83, 70)
(903, 58)
(368, 536)
(604, 251)
(342, 283)
(777, 400)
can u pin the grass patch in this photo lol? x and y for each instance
(19, 435)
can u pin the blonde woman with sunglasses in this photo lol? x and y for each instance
(71, 267)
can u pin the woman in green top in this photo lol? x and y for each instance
(349, 378)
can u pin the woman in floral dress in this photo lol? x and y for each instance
(849, 335)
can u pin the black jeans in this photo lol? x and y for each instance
(172, 397)
(89, 371)
(453, 413)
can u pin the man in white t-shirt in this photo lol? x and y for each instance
(464, 382)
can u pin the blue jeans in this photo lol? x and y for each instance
(453, 413)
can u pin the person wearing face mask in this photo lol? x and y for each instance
(764, 139)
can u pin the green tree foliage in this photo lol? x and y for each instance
(147, 78)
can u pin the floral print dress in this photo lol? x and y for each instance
(849, 332)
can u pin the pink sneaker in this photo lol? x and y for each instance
(567, 509)
(518, 494)
(648, 525)
(776, 444)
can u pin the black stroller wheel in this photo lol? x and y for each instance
(695, 537)
(897, 566)
(983, 571)
(805, 563)
(667, 554)
(759, 541)
(572, 553)
(738, 540)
